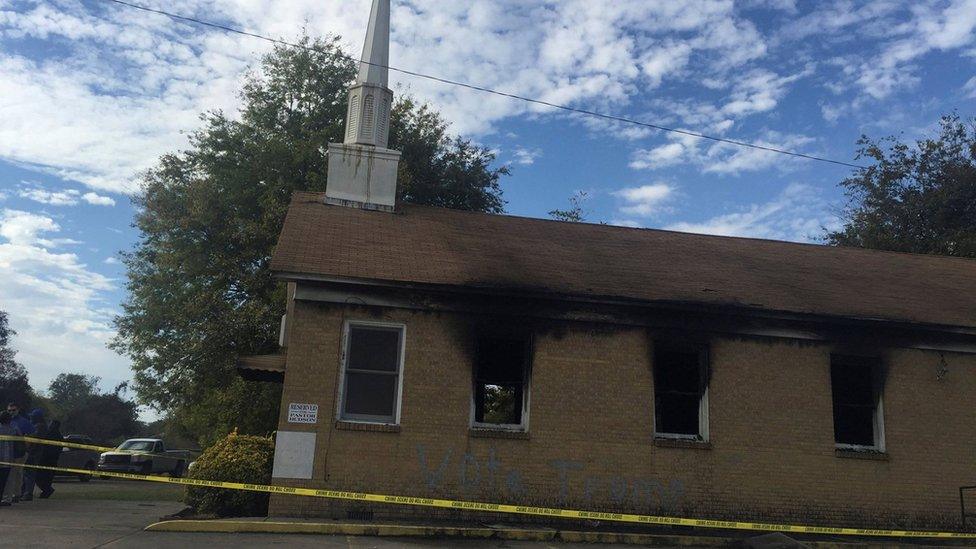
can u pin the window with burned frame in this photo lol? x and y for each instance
(855, 386)
(371, 372)
(681, 390)
(501, 379)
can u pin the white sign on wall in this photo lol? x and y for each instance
(303, 413)
(294, 455)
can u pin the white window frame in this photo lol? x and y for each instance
(879, 436)
(702, 435)
(343, 362)
(526, 395)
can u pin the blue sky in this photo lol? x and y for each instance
(91, 93)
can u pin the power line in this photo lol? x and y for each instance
(483, 89)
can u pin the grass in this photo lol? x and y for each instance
(116, 490)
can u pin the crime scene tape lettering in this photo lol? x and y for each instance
(503, 508)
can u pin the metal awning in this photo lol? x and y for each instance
(262, 367)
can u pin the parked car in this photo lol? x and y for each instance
(77, 458)
(145, 456)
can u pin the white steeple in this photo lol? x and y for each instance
(376, 50)
(368, 120)
(362, 171)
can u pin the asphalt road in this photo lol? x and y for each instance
(110, 513)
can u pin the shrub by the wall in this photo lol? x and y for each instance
(236, 458)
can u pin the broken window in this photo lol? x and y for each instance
(501, 377)
(371, 376)
(680, 391)
(855, 384)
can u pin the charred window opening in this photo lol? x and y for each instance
(501, 377)
(855, 384)
(372, 372)
(680, 391)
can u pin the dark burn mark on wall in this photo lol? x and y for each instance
(548, 314)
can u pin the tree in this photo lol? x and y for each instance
(14, 385)
(575, 212)
(200, 293)
(76, 400)
(919, 199)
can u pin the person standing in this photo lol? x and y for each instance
(6, 454)
(34, 452)
(49, 458)
(15, 480)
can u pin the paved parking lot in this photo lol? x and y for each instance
(111, 513)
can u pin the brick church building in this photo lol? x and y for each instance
(439, 353)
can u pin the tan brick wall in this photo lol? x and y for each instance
(771, 453)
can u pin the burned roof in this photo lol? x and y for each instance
(423, 245)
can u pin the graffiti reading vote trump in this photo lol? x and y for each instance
(564, 481)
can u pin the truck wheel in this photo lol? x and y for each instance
(86, 478)
(177, 471)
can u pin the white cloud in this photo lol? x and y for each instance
(134, 80)
(728, 159)
(55, 303)
(98, 200)
(798, 214)
(68, 197)
(658, 157)
(645, 200)
(969, 88)
(111, 261)
(625, 223)
(526, 157)
(21, 228)
(719, 157)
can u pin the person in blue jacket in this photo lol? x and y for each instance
(15, 480)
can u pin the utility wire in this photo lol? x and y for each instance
(483, 89)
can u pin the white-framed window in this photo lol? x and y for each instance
(502, 371)
(855, 387)
(680, 391)
(372, 371)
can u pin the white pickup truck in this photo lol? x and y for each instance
(145, 456)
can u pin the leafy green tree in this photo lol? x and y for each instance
(14, 385)
(200, 292)
(919, 199)
(83, 408)
(575, 213)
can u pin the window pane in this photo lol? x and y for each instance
(501, 361)
(855, 399)
(677, 413)
(370, 394)
(677, 370)
(678, 389)
(374, 348)
(854, 425)
(852, 384)
(499, 404)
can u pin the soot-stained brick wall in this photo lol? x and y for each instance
(590, 442)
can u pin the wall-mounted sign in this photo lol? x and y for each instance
(303, 413)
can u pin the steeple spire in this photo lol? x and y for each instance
(368, 120)
(376, 50)
(362, 171)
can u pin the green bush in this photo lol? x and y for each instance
(236, 458)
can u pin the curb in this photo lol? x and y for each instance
(483, 532)
(399, 530)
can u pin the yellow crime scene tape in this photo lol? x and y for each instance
(502, 507)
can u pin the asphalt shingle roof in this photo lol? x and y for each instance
(438, 246)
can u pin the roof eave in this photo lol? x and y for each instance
(760, 312)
